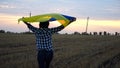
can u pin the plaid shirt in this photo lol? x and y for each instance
(44, 36)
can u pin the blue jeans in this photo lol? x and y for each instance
(44, 58)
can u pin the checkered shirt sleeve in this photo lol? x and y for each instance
(32, 28)
(56, 29)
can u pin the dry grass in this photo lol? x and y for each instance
(70, 51)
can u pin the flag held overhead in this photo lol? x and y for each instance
(63, 19)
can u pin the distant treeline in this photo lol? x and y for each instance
(27, 32)
(75, 33)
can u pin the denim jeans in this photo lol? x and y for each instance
(44, 58)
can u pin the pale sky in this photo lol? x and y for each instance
(104, 14)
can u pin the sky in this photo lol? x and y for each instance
(104, 14)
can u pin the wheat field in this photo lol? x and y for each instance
(70, 51)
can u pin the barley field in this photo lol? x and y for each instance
(70, 51)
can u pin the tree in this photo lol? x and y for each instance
(100, 33)
(2, 31)
(94, 33)
(76, 33)
(105, 33)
